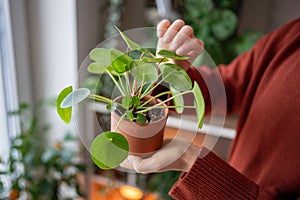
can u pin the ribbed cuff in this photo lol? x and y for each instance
(212, 178)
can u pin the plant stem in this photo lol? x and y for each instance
(155, 97)
(179, 106)
(128, 83)
(141, 89)
(149, 53)
(116, 83)
(100, 98)
(119, 122)
(160, 103)
(134, 87)
(122, 85)
(151, 87)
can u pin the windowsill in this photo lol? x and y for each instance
(188, 122)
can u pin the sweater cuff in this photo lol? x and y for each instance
(212, 177)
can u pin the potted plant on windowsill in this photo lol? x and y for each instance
(136, 73)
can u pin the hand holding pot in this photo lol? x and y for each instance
(176, 154)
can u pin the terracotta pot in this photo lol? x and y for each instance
(142, 138)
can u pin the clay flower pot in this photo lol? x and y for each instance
(142, 138)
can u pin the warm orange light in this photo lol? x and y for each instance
(131, 193)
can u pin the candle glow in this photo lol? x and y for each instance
(131, 193)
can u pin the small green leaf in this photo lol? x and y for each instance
(111, 107)
(171, 54)
(126, 102)
(64, 113)
(155, 60)
(75, 97)
(129, 115)
(142, 71)
(109, 149)
(135, 101)
(132, 45)
(141, 118)
(178, 100)
(101, 55)
(199, 104)
(120, 61)
(97, 68)
(176, 76)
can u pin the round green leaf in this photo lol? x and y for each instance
(75, 97)
(101, 55)
(171, 54)
(126, 102)
(176, 77)
(135, 101)
(64, 113)
(109, 149)
(141, 118)
(142, 71)
(120, 61)
(199, 104)
(97, 68)
(129, 115)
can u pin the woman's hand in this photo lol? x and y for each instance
(179, 38)
(176, 154)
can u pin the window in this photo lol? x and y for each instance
(8, 91)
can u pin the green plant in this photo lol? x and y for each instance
(136, 74)
(216, 23)
(38, 171)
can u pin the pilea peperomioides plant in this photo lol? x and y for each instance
(136, 73)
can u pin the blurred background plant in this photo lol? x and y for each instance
(216, 22)
(37, 171)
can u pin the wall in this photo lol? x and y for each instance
(46, 53)
(268, 15)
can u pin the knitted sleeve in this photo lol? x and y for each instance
(212, 178)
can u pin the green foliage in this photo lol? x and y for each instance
(162, 182)
(216, 23)
(135, 73)
(64, 113)
(199, 104)
(36, 169)
(107, 144)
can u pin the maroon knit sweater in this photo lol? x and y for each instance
(263, 86)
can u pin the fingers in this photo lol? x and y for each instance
(162, 27)
(169, 157)
(193, 46)
(173, 30)
(179, 38)
(127, 164)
